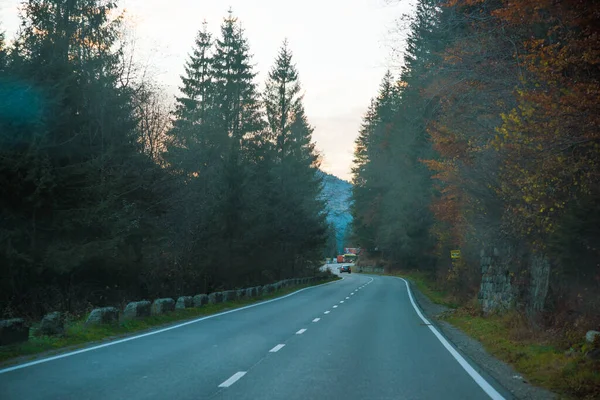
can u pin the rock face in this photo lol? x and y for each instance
(52, 324)
(503, 269)
(229, 295)
(539, 270)
(137, 309)
(163, 306)
(496, 292)
(593, 354)
(200, 300)
(105, 315)
(215, 298)
(184, 302)
(592, 336)
(13, 331)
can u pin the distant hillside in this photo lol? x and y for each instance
(337, 192)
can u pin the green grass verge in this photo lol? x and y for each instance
(78, 335)
(536, 355)
(426, 286)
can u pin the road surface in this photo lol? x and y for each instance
(358, 338)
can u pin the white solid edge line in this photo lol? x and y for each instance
(483, 384)
(316, 319)
(301, 331)
(44, 360)
(234, 378)
(276, 348)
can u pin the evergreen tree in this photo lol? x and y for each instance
(306, 184)
(372, 159)
(282, 97)
(236, 97)
(191, 136)
(296, 185)
(196, 84)
(392, 188)
(76, 184)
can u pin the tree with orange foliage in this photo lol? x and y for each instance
(551, 139)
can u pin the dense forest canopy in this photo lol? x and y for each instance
(487, 141)
(109, 196)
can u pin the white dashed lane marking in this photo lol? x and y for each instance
(334, 306)
(276, 348)
(341, 301)
(234, 378)
(301, 331)
(326, 312)
(316, 319)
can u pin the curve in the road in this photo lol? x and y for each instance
(264, 365)
(483, 384)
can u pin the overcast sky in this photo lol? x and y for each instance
(341, 49)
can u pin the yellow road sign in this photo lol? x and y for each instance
(454, 253)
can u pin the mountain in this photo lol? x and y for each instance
(337, 193)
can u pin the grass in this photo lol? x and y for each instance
(536, 355)
(78, 335)
(426, 286)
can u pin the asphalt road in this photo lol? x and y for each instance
(359, 338)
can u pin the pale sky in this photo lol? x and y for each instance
(341, 49)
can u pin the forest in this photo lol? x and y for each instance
(109, 195)
(487, 141)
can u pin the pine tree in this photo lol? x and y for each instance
(236, 97)
(296, 187)
(301, 168)
(191, 139)
(237, 120)
(196, 84)
(372, 160)
(80, 205)
(282, 97)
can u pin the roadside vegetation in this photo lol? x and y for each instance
(545, 359)
(476, 173)
(78, 335)
(113, 192)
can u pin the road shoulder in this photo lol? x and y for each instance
(503, 373)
